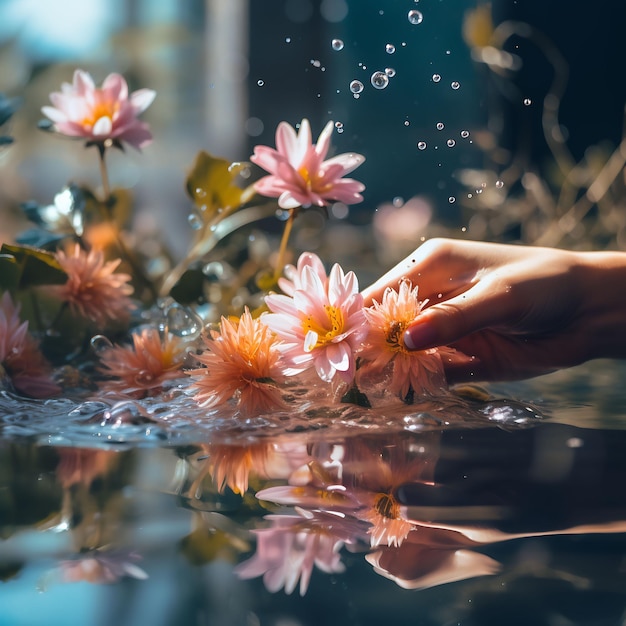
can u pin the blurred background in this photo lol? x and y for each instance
(440, 137)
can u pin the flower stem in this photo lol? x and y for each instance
(280, 262)
(106, 188)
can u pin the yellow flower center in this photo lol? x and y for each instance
(102, 108)
(325, 334)
(311, 180)
(393, 336)
(386, 506)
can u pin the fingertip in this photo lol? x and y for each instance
(420, 337)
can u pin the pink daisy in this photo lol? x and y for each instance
(100, 114)
(422, 370)
(145, 365)
(241, 360)
(321, 324)
(299, 176)
(20, 357)
(93, 289)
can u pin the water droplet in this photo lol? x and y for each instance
(183, 322)
(282, 214)
(398, 201)
(421, 145)
(356, 96)
(440, 126)
(465, 134)
(260, 82)
(499, 184)
(415, 17)
(337, 44)
(527, 102)
(390, 48)
(390, 72)
(451, 199)
(436, 78)
(455, 84)
(195, 221)
(100, 344)
(379, 80)
(451, 143)
(356, 86)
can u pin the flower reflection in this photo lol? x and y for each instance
(299, 176)
(100, 567)
(80, 466)
(293, 545)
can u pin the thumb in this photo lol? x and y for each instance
(480, 307)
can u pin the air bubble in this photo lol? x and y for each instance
(499, 184)
(407, 123)
(527, 102)
(415, 17)
(465, 134)
(398, 201)
(436, 78)
(100, 344)
(379, 80)
(287, 39)
(337, 44)
(260, 82)
(356, 86)
(451, 199)
(195, 221)
(451, 143)
(421, 145)
(390, 48)
(440, 126)
(390, 72)
(339, 125)
(183, 322)
(455, 84)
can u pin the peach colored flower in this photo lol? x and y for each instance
(321, 324)
(422, 370)
(145, 365)
(299, 176)
(93, 289)
(20, 356)
(99, 114)
(242, 360)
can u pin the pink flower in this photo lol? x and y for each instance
(293, 275)
(99, 114)
(299, 176)
(321, 324)
(92, 289)
(241, 360)
(421, 371)
(20, 356)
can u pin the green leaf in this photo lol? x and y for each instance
(211, 185)
(25, 266)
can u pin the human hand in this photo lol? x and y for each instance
(513, 311)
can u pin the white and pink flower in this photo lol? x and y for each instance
(299, 175)
(321, 324)
(99, 114)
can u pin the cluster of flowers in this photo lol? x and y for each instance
(318, 322)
